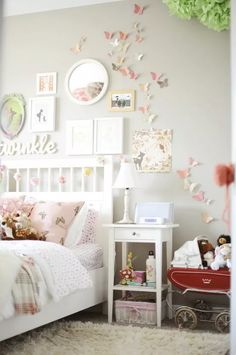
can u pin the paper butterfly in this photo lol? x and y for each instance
(199, 196)
(125, 71)
(110, 53)
(208, 201)
(123, 36)
(108, 35)
(34, 181)
(133, 75)
(162, 83)
(17, 176)
(206, 218)
(139, 56)
(186, 184)
(120, 60)
(138, 38)
(144, 87)
(155, 76)
(62, 180)
(193, 162)
(124, 47)
(138, 9)
(144, 109)
(115, 67)
(78, 47)
(151, 118)
(193, 187)
(183, 173)
(136, 27)
(115, 43)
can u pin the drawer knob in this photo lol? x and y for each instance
(134, 233)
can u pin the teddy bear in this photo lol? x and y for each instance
(222, 257)
(7, 227)
(23, 228)
(206, 251)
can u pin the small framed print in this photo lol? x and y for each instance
(108, 135)
(42, 114)
(79, 137)
(121, 100)
(46, 83)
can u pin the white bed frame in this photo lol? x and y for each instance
(102, 200)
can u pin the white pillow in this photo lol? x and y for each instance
(74, 233)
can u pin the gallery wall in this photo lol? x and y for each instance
(195, 105)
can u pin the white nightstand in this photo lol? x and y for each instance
(140, 233)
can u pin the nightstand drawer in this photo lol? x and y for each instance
(136, 234)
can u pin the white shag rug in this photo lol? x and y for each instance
(77, 338)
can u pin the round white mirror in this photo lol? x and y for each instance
(86, 82)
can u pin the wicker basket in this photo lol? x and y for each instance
(137, 312)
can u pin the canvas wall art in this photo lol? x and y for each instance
(152, 150)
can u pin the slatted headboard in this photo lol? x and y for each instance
(86, 179)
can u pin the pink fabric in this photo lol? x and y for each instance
(10, 205)
(89, 229)
(54, 218)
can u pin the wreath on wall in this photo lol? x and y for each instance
(215, 14)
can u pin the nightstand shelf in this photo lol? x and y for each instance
(140, 233)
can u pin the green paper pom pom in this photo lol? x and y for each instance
(181, 8)
(214, 14)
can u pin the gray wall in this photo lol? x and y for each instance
(196, 105)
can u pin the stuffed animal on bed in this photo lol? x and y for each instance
(7, 227)
(222, 257)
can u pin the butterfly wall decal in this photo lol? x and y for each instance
(199, 196)
(138, 38)
(137, 27)
(123, 36)
(78, 46)
(133, 75)
(138, 10)
(183, 173)
(144, 109)
(163, 83)
(139, 56)
(193, 163)
(115, 67)
(151, 118)
(208, 201)
(115, 43)
(144, 87)
(206, 218)
(160, 79)
(108, 35)
(124, 70)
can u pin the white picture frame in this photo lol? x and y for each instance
(108, 135)
(42, 114)
(46, 83)
(79, 137)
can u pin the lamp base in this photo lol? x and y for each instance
(125, 221)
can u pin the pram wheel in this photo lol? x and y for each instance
(185, 318)
(222, 322)
(202, 306)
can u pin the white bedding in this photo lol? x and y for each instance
(62, 271)
(90, 255)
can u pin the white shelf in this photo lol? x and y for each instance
(137, 288)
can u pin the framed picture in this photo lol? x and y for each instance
(79, 137)
(42, 114)
(46, 83)
(121, 100)
(152, 151)
(108, 135)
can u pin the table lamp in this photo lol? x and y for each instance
(126, 179)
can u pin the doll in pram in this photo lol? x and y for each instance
(190, 274)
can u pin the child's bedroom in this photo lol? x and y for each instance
(117, 193)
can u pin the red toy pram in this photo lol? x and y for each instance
(202, 281)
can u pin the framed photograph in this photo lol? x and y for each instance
(121, 100)
(42, 114)
(108, 135)
(46, 83)
(152, 150)
(79, 137)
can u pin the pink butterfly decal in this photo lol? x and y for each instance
(138, 10)
(154, 76)
(193, 162)
(144, 109)
(183, 173)
(108, 35)
(138, 38)
(78, 47)
(125, 71)
(115, 67)
(199, 196)
(123, 35)
(206, 218)
(133, 75)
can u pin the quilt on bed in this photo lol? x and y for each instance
(54, 269)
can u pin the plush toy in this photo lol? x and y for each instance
(222, 239)
(21, 220)
(222, 257)
(206, 251)
(7, 227)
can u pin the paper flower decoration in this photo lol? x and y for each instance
(62, 179)
(17, 177)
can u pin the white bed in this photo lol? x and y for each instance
(96, 190)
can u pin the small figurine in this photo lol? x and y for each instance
(127, 274)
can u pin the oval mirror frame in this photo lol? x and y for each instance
(12, 115)
(86, 81)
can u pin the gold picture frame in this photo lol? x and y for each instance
(121, 100)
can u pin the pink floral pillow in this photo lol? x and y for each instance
(89, 229)
(10, 205)
(54, 218)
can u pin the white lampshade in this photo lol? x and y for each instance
(127, 176)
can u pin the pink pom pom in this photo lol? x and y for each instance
(224, 174)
